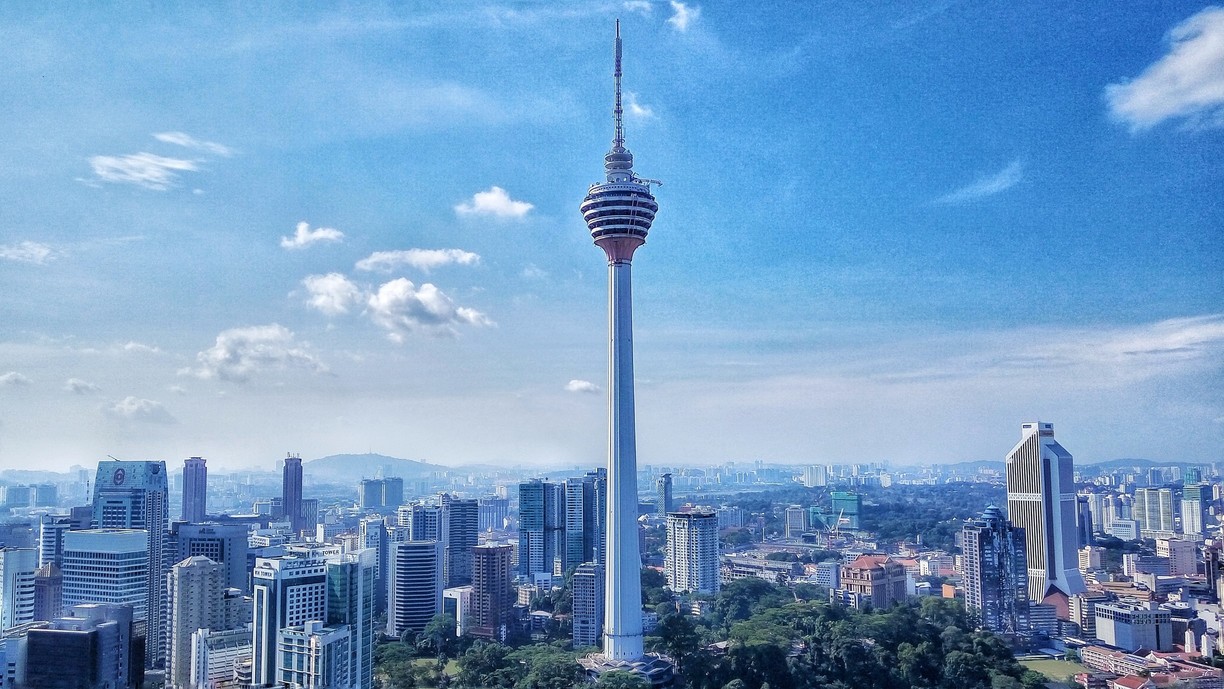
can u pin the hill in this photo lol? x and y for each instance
(353, 468)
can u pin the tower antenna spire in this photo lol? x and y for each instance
(618, 113)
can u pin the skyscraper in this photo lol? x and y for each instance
(460, 530)
(588, 605)
(109, 566)
(541, 525)
(351, 596)
(195, 490)
(195, 587)
(663, 502)
(691, 563)
(586, 506)
(289, 591)
(291, 493)
(1196, 509)
(491, 590)
(222, 543)
(95, 646)
(135, 495)
(414, 593)
(1041, 500)
(996, 573)
(619, 213)
(1153, 509)
(17, 568)
(48, 592)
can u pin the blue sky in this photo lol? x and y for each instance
(887, 233)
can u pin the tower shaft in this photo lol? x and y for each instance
(623, 606)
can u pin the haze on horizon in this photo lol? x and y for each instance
(886, 233)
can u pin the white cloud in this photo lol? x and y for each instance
(140, 348)
(80, 387)
(585, 386)
(188, 141)
(423, 259)
(495, 202)
(142, 169)
(1001, 181)
(683, 15)
(533, 272)
(138, 409)
(303, 236)
(13, 379)
(643, 6)
(241, 352)
(27, 252)
(636, 109)
(332, 294)
(177, 389)
(1187, 82)
(401, 308)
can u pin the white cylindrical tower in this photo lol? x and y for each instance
(619, 213)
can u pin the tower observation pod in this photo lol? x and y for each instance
(619, 213)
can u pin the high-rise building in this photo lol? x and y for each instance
(51, 537)
(17, 568)
(588, 604)
(290, 591)
(110, 566)
(423, 519)
(216, 654)
(492, 592)
(195, 587)
(1041, 500)
(1132, 626)
(195, 490)
(1083, 521)
(414, 593)
(312, 656)
(375, 537)
(225, 544)
(847, 507)
(541, 525)
(1153, 509)
(619, 213)
(94, 647)
(351, 596)
(291, 494)
(815, 476)
(369, 493)
(460, 531)
(48, 592)
(663, 499)
(392, 491)
(795, 523)
(1182, 554)
(585, 513)
(996, 574)
(493, 512)
(135, 495)
(1196, 509)
(691, 563)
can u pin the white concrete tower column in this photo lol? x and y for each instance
(619, 213)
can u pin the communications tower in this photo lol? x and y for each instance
(619, 213)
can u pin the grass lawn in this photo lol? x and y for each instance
(1056, 670)
(452, 667)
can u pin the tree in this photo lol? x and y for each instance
(620, 679)
(439, 635)
(677, 637)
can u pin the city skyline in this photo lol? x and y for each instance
(240, 234)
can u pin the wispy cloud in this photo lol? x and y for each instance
(635, 108)
(13, 379)
(644, 7)
(1001, 181)
(240, 353)
(80, 387)
(533, 272)
(188, 141)
(147, 170)
(138, 409)
(303, 236)
(1188, 82)
(400, 308)
(332, 294)
(140, 348)
(422, 259)
(33, 253)
(494, 202)
(584, 386)
(683, 15)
